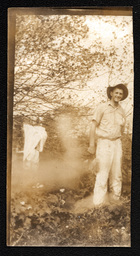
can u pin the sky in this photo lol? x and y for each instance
(104, 26)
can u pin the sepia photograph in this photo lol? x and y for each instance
(70, 125)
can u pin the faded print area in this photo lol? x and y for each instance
(63, 65)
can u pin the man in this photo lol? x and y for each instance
(106, 130)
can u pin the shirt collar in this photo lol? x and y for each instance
(109, 103)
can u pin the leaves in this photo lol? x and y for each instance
(54, 52)
(57, 224)
(27, 223)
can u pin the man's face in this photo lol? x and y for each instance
(116, 95)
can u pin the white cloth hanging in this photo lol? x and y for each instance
(34, 140)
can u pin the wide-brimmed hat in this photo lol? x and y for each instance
(120, 86)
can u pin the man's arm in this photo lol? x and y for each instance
(122, 129)
(124, 124)
(91, 148)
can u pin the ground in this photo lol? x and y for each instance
(65, 216)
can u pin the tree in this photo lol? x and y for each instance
(57, 55)
(49, 56)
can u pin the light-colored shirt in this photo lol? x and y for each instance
(110, 120)
(33, 136)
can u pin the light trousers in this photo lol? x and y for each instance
(109, 156)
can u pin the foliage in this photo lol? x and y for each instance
(58, 61)
(126, 162)
(41, 217)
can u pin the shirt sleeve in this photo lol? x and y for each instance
(98, 113)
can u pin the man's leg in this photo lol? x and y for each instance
(104, 154)
(115, 177)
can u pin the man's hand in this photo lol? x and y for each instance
(92, 150)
